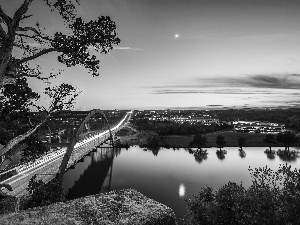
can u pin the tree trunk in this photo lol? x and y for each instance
(16, 140)
(5, 54)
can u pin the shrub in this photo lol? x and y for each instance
(273, 198)
(44, 193)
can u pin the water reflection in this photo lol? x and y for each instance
(181, 190)
(154, 150)
(94, 172)
(287, 156)
(284, 155)
(270, 156)
(199, 158)
(168, 177)
(242, 153)
(221, 154)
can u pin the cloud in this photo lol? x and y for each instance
(214, 105)
(223, 91)
(127, 48)
(291, 81)
(268, 90)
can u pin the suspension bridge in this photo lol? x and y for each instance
(71, 136)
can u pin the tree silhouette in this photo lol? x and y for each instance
(199, 141)
(270, 139)
(61, 98)
(220, 141)
(287, 138)
(241, 142)
(79, 45)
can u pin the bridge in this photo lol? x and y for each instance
(71, 136)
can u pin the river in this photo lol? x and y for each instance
(165, 175)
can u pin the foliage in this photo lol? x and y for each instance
(149, 139)
(18, 96)
(294, 122)
(199, 141)
(7, 204)
(16, 101)
(62, 97)
(44, 193)
(287, 138)
(34, 150)
(273, 198)
(220, 141)
(241, 142)
(173, 128)
(270, 139)
(78, 45)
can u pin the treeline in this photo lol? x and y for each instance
(172, 128)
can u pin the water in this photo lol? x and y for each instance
(167, 175)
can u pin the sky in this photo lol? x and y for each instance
(192, 54)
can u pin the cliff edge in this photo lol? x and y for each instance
(116, 207)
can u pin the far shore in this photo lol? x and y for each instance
(231, 138)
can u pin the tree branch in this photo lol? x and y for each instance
(2, 33)
(43, 52)
(25, 17)
(20, 13)
(7, 20)
(24, 29)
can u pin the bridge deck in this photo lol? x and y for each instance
(48, 169)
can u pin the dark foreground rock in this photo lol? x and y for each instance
(115, 207)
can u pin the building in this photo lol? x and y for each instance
(258, 127)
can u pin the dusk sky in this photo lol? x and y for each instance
(186, 54)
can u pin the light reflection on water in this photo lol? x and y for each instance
(167, 175)
(181, 190)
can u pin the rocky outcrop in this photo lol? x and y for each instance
(116, 207)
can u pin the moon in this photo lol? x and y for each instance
(176, 36)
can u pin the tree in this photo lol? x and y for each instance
(14, 109)
(74, 47)
(287, 138)
(61, 98)
(294, 122)
(241, 142)
(199, 141)
(272, 198)
(17, 97)
(15, 117)
(220, 141)
(270, 139)
(44, 193)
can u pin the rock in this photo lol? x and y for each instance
(116, 207)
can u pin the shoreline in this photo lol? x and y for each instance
(231, 138)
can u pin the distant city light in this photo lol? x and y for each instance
(181, 190)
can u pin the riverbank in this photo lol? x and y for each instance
(182, 141)
(231, 138)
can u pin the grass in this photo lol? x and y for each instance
(252, 139)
